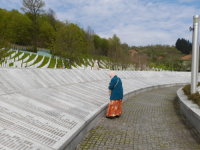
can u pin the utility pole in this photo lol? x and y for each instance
(195, 54)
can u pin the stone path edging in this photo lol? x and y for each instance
(190, 109)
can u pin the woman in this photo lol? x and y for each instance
(96, 66)
(116, 96)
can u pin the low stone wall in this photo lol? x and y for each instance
(190, 109)
(55, 108)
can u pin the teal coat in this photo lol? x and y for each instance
(117, 92)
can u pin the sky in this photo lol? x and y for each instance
(135, 22)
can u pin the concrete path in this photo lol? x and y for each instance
(150, 121)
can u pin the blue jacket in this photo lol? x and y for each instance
(117, 91)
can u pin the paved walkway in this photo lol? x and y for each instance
(150, 121)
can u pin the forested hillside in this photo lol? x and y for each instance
(33, 27)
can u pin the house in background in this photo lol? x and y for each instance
(187, 62)
(133, 52)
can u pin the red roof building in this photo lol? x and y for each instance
(133, 52)
(187, 57)
(160, 57)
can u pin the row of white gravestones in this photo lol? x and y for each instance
(32, 61)
(47, 64)
(37, 64)
(8, 60)
(19, 57)
(18, 63)
(24, 61)
(13, 54)
(56, 63)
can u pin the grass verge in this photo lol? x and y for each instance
(193, 97)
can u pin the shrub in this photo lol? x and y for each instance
(194, 97)
(187, 89)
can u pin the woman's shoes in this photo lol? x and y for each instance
(112, 117)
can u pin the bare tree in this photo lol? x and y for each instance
(140, 61)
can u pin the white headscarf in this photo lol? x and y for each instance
(112, 74)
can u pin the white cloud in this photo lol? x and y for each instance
(136, 22)
(182, 1)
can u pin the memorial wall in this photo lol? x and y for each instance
(48, 109)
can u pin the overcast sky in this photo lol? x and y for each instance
(135, 22)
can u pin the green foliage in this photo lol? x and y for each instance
(45, 61)
(41, 29)
(38, 59)
(162, 66)
(194, 97)
(52, 62)
(115, 50)
(161, 56)
(4, 44)
(183, 45)
(187, 89)
(24, 56)
(46, 34)
(19, 28)
(31, 57)
(97, 41)
(33, 8)
(71, 43)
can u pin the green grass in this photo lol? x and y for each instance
(38, 59)
(11, 64)
(24, 56)
(52, 63)
(11, 53)
(17, 55)
(31, 58)
(46, 59)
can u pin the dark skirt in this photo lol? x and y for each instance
(114, 108)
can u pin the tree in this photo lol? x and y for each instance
(4, 22)
(4, 47)
(20, 28)
(97, 44)
(124, 59)
(4, 34)
(46, 34)
(184, 46)
(105, 47)
(51, 15)
(140, 61)
(34, 9)
(125, 47)
(114, 51)
(71, 43)
(89, 32)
